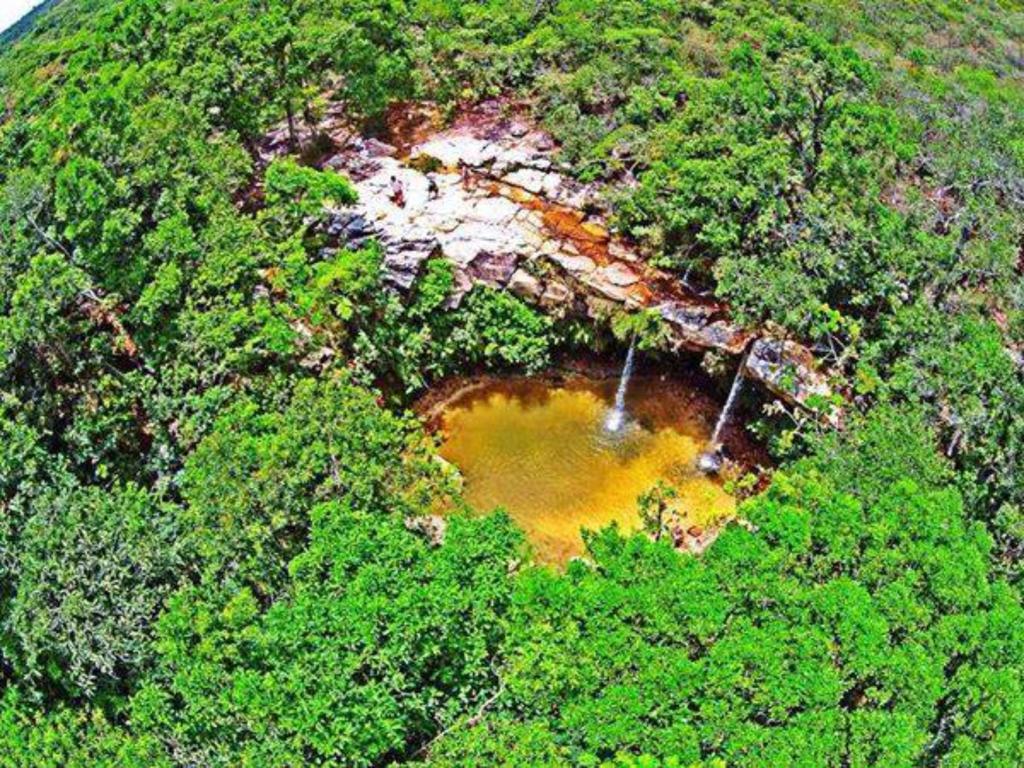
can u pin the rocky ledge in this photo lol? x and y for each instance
(488, 194)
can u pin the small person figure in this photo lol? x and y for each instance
(397, 192)
(432, 190)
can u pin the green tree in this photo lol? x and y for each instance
(380, 641)
(92, 567)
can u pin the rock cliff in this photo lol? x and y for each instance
(488, 194)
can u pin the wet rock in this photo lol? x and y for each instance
(348, 228)
(694, 326)
(710, 462)
(725, 336)
(690, 316)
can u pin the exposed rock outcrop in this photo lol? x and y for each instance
(431, 527)
(786, 368)
(488, 195)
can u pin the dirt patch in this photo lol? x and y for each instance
(408, 123)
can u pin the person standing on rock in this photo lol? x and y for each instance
(397, 192)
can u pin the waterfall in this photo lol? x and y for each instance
(711, 460)
(617, 415)
(723, 417)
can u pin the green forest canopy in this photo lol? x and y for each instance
(203, 552)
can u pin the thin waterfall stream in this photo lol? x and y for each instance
(711, 460)
(723, 417)
(617, 415)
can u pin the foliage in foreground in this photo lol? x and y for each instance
(857, 624)
(858, 621)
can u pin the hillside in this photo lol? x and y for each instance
(261, 260)
(25, 24)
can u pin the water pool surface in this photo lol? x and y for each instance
(540, 450)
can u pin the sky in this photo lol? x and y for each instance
(12, 10)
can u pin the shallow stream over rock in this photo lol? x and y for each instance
(539, 449)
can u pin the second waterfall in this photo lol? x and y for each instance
(617, 415)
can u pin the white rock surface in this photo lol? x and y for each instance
(486, 211)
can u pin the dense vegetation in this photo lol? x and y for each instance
(206, 465)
